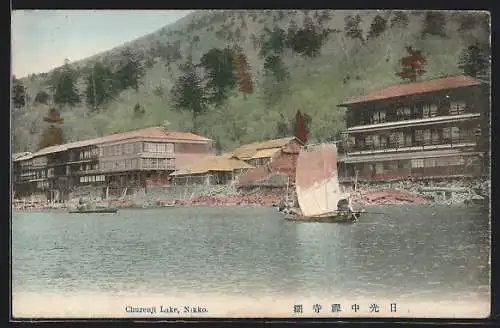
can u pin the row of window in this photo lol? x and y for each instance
(401, 165)
(157, 163)
(158, 147)
(42, 184)
(92, 178)
(408, 138)
(89, 153)
(419, 110)
(117, 150)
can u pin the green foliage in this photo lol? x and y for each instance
(312, 84)
(63, 85)
(42, 97)
(219, 66)
(139, 110)
(274, 65)
(187, 92)
(474, 62)
(308, 40)
(434, 24)
(468, 21)
(399, 19)
(101, 87)
(130, 71)
(378, 26)
(352, 28)
(273, 42)
(169, 52)
(18, 93)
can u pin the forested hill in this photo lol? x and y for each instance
(240, 76)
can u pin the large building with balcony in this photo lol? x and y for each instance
(133, 159)
(433, 128)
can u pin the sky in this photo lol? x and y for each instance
(43, 39)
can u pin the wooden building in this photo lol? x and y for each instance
(133, 159)
(434, 128)
(269, 158)
(211, 170)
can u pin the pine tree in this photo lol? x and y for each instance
(378, 26)
(188, 94)
(400, 19)
(100, 86)
(130, 72)
(308, 40)
(63, 85)
(352, 28)
(218, 64)
(42, 97)
(412, 65)
(434, 24)
(18, 93)
(474, 62)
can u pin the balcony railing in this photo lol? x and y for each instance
(393, 117)
(423, 144)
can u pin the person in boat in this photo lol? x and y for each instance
(345, 206)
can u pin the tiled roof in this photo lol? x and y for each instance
(264, 153)
(406, 89)
(151, 132)
(213, 163)
(249, 150)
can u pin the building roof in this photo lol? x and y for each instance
(146, 133)
(21, 156)
(213, 163)
(264, 153)
(407, 89)
(248, 151)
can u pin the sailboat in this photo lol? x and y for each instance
(317, 186)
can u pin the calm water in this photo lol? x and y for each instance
(437, 252)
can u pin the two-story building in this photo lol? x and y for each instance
(133, 159)
(433, 128)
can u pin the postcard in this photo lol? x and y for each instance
(250, 164)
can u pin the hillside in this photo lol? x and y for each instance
(345, 67)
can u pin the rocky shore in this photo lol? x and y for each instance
(447, 192)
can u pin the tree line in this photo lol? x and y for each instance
(220, 71)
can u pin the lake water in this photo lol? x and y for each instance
(249, 261)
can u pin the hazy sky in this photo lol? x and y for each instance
(42, 39)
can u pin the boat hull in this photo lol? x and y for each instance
(334, 218)
(104, 210)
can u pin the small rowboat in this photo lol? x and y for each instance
(337, 217)
(95, 210)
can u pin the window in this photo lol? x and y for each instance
(376, 141)
(379, 168)
(101, 152)
(162, 163)
(430, 162)
(419, 136)
(435, 136)
(383, 141)
(170, 148)
(455, 133)
(457, 107)
(427, 136)
(82, 179)
(170, 163)
(446, 133)
(429, 110)
(417, 163)
(408, 139)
